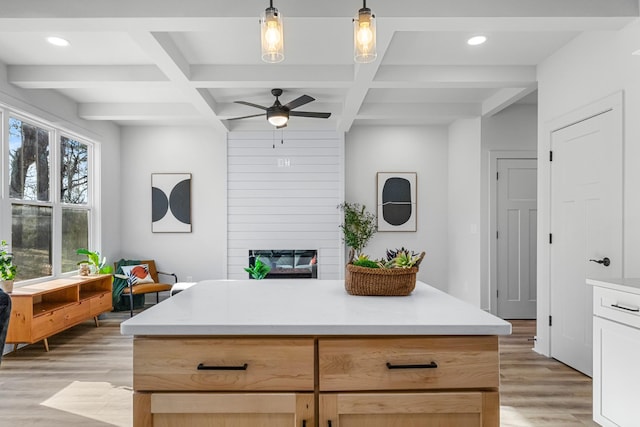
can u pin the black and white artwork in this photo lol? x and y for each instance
(397, 201)
(171, 202)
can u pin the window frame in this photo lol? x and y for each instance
(56, 133)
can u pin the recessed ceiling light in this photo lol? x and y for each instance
(58, 41)
(476, 40)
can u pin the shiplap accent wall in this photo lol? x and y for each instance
(285, 197)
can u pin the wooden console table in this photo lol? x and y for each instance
(44, 309)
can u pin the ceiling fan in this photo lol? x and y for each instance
(278, 114)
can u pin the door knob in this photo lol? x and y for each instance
(606, 261)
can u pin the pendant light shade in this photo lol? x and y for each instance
(364, 35)
(272, 35)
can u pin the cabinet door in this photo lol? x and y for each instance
(615, 373)
(460, 409)
(229, 410)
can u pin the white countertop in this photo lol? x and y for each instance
(309, 307)
(627, 285)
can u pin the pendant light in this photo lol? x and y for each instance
(364, 35)
(272, 35)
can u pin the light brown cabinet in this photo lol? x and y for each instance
(353, 381)
(428, 409)
(44, 309)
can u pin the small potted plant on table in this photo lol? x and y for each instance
(93, 264)
(7, 268)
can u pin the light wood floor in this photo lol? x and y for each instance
(85, 380)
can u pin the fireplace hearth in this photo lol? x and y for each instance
(287, 263)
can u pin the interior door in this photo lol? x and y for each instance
(586, 226)
(517, 210)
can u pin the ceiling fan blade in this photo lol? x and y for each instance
(304, 99)
(251, 104)
(248, 117)
(310, 114)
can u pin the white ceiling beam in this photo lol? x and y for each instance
(180, 23)
(286, 76)
(454, 76)
(418, 111)
(326, 8)
(167, 56)
(83, 76)
(140, 111)
(505, 97)
(364, 76)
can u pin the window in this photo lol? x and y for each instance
(50, 197)
(74, 196)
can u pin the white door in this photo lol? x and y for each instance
(517, 229)
(586, 224)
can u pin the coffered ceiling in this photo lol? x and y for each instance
(158, 62)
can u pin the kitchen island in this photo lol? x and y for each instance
(305, 353)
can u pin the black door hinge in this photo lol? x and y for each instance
(550, 321)
(551, 156)
(550, 238)
(497, 176)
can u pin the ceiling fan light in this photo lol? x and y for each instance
(272, 35)
(278, 118)
(364, 35)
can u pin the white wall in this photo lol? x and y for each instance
(591, 67)
(464, 210)
(283, 194)
(200, 151)
(423, 150)
(514, 129)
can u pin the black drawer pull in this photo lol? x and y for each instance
(304, 423)
(622, 307)
(329, 423)
(203, 367)
(431, 365)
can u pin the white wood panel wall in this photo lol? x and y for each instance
(285, 197)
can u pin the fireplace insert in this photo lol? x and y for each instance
(287, 263)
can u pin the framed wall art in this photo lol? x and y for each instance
(171, 202)
(397, 201)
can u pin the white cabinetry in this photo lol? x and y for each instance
(616, 352)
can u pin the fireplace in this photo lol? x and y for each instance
(288, 263)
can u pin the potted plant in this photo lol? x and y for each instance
(393, 276)
(93, 262)
(7, 268)
(358, 227)
(259, 270)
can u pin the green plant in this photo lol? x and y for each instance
(259, 270)
(7, 267)
(358, 227)
(400, 258)
(93, 259)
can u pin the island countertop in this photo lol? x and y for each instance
(309, 307)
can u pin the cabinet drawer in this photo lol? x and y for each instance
(623, 307)
(47, 324)
(408, 363)
(100, 304)
(226, 364)
(76, 313)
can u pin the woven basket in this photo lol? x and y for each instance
(381, 281)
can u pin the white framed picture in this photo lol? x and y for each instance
(397, 201)
(171, 202)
